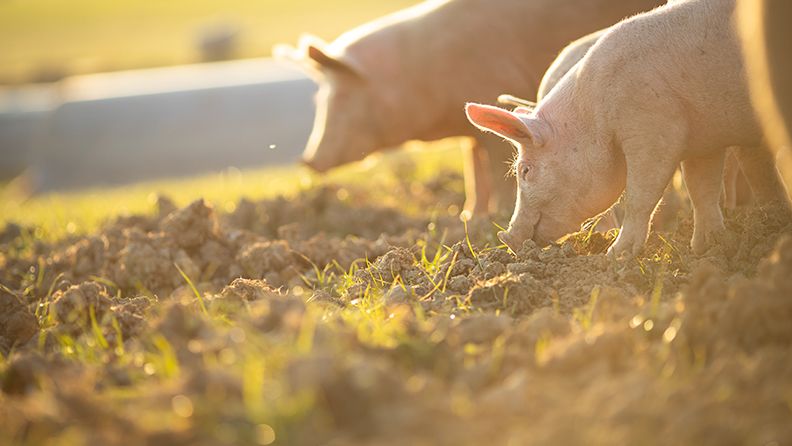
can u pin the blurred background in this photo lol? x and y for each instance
(97, 92)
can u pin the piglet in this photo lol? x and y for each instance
(737, 191)
(656, 90)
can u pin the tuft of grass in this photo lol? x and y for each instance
(470, 245)
(119, 349)
(657, 289)
(106, 282)
(164, 359)
(324, 276)
(347, 277)
(373, 323)
(433, 265)
(96, 329)
(193, 288)
(585, 316)
(448, 271)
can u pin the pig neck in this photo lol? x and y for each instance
(397, 57)
(405, 104)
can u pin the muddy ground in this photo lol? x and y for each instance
(345, 316)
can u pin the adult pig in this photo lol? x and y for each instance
(406, 76)
(766, 36)
(658, 89)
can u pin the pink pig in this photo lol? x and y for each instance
(405, 76)
(662, 88)
(737, 191)
(766, 35)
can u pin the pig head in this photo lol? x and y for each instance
(348, 123)
(558, 185)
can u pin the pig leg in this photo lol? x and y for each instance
(477, 180)
(704, 181)
(665, 214)
(608, 221)
(643, 191)
(731, 178)
(758, 165)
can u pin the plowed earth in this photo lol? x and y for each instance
(339, 317)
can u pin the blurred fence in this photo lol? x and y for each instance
(24, 112)
(122, 127)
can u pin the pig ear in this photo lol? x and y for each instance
(308, 40)
(504, 123)
(315, 49)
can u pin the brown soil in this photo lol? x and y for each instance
(368, 338)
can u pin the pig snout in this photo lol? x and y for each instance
(510, 240)
(314, 165)
(516, 235)
(540, 227)
(324, 160)
(328, 154)
(320, 156)
(521, 226)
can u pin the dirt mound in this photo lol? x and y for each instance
(275, 239)
(17, 323)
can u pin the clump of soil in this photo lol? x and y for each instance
(337, 317)
(17, 323)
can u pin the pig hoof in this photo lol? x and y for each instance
(698, 245)
(619, 251)
(467, 215)
(701, 243)
(621, 255)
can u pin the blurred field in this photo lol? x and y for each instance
(56, 215)
(48, 38)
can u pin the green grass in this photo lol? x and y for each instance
(79, 36)
(56, 215)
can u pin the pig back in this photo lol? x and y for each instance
(459, 51)
(681, 62)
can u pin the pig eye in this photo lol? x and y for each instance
(523, 170)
